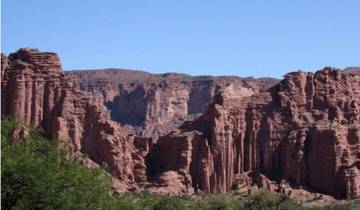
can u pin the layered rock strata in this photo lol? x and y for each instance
(154, 104)
(305, 130)
(35, 91)
(301, 135)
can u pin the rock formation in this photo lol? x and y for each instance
(305, 130)
(154, 104)
(352, 70)
(35, 91)
(298, 137)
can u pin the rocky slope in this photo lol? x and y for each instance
(304, 132)
(300, 137)
(154, 104)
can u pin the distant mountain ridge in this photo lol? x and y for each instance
(352, 70)
(155, 104)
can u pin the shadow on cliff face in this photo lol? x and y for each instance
(150, 162)
(129, 108)
(200, 97)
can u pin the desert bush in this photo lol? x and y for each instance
(33, 177)
(265, 200)
(216, 202)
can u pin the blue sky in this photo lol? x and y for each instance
(208, 37)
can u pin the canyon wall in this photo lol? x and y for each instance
(35, 91)
(304, 131)
(301, 135)
(152, 105)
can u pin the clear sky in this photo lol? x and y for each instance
(197, 37)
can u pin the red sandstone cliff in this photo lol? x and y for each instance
(305, 131)
(155, 104)
(352, 70)
(35, 91)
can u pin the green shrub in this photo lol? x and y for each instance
(148, 201)
(33, 177)
(216, 202)
(265, 200)
(170, 203)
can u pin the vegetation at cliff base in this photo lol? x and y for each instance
(36, 175)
